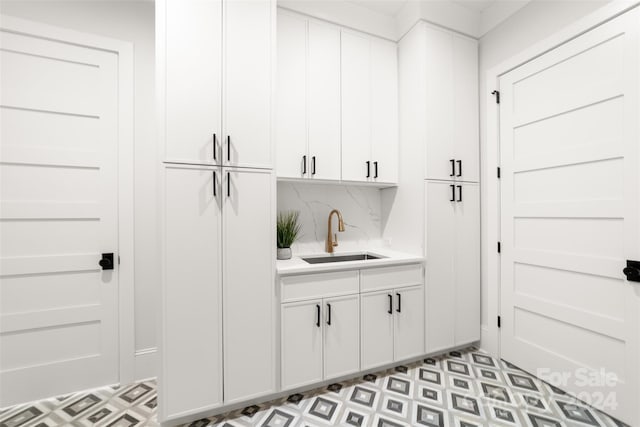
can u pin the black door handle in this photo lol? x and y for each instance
(304, 164)
(229, 148)
(459, 167)
(318, 315)
(215, 145)
(329, 314)
(632, 271)
(390, 311)
(453, 167)
(399, 309)
(453, 193)
(228, 184)
(106, 262)
(375, 169)
(368, 169)
(215, 184)
(313, 165)
(459, 193)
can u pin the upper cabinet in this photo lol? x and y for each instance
(308, 102)
(337, 103)
(369, 108)
(451, 106)
(215, 81)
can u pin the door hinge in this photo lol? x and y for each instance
(499, 247)
(499, 322)
(498, 172)
(497, 95)
(118, 259)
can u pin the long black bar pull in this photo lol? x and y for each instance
(459, 162)
(453, 167)
(313, 165)
(375, 169)
(215, 147)
(215, 184)
(328, 314)
(453, 193)
(228, 184)
(399, 310)
(390, 311)
(459, 193)
(318, 315)
(228, 148)
(304, 164)
(368, 169)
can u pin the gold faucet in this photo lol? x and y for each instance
(332, 240)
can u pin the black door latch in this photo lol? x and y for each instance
(106, 262)
(632, 271)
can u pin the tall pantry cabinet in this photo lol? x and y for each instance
(215, 84)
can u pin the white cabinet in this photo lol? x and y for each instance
(308, 101)
(248, 297)
(392, 325)
(452, 129)
(191, 339)
(319, 340)
(214, 62)
(452, 245)
(369, 108)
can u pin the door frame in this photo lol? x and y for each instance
(125, 248)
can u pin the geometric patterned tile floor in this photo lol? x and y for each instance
(460, 389)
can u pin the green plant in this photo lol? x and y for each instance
(288, 228)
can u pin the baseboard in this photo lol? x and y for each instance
(146, 364)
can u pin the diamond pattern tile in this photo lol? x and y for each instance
(460, 389)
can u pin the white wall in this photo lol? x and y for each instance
(531, 24)
(131, 21)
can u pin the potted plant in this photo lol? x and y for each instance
(288, 230)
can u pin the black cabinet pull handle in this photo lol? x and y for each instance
(329, 314)
(106, 262)
(390, 311)
(215, 180)
(399, 310)
(318, 315)
(453, 167)
(375, 169)
(313, 165)
(228, 184)
(229, 148)
(453, 193)
(459, 193)
(304, 164)
(215, 147)
(368, 169)
(459, 162)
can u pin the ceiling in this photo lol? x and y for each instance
(392, 7)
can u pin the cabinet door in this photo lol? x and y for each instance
(440, 104)
(440, 241)
(248, 274)
(191, 374)
(356, 106)
(384, 110)
(324, 101)
(376, 320)
(191, 60)
(301, 344)
(291, 113)
(467, 265)
(248, 51)
(465, 94)
(409, 322)
(341, 336)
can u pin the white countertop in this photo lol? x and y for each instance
(296, 265)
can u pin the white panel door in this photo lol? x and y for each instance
(341, 336)
(376, 320)
(440, 241)
(384, 110)
(569, 145)
(356, 106)
(465, 133)
(247, 97)
(58, 214)
(467, 263)
(291, 89)
(301, 343)
(193, 69)
(248, 283)
(409, 322)
(191, 374)
(324, 101)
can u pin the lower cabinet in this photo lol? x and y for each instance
(392, 325)
(319, 340)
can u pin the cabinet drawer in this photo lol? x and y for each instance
(390, 277)
(296, 288)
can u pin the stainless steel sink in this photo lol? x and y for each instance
(341, 258)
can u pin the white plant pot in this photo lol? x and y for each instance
(284, 253)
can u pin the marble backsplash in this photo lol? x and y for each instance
(360, 206)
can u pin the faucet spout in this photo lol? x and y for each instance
(332, 240)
